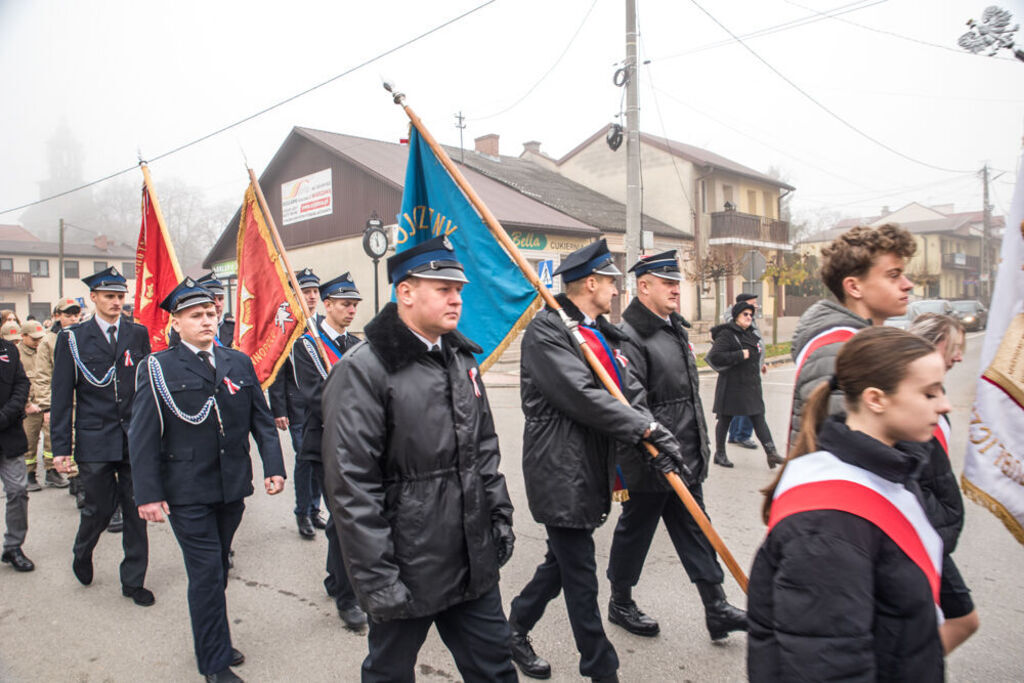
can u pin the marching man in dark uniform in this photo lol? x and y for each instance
(289, 408)
(341, 298)
(93, 385)
(660, 357)
(225, 321)
(411, 462)
(196, 405)
(569, 443)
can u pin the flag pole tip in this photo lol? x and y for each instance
(390, 86)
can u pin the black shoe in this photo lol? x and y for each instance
(722, 459)
(774, 459)
(237, 658)
(306, 529)
(116, 525)
(353, 617)
(17, 559)
(748, 443)
(525, 658)
(56, 480)
(225, 676)
(614, 678)
(80, 497)
(33, 483)
(720, 617)
(143, 597)
(318, 520)
(82, 567)
(627, 615)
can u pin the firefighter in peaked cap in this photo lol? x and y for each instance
(196, 405)
(660, 356)
(411, 466)
(570, 436)
(91, 395)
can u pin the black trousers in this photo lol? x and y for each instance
(106, 485)
(764, 435)
(204, 533)
(337, 584)
(475, 632)
(635, 530)
(569, 565)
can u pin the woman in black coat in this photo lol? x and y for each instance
(736, 354)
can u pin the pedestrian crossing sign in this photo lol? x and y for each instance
(544, 270)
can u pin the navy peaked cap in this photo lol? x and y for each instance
(434, 259)
(591, 259)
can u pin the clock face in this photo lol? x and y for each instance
(377, 242)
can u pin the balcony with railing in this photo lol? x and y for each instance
(734, 227)
(961, 261)
(14, 281)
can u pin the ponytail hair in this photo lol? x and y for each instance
(876, 357)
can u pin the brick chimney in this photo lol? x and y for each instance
(101, 242)
(487, 144)
(533, 146)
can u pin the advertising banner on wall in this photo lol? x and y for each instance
(307, 197)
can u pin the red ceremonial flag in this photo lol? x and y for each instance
(269, 316)
(156, 268)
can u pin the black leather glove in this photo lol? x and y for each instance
(504, 540)
(389, 602)
(670, 456)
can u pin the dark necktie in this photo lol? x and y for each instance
(207, 361)
(112, 331)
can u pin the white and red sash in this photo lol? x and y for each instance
(821, 481)
(833, 335)
(942, 433)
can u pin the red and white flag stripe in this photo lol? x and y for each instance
(821, 481)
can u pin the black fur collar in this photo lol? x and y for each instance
(397, 346)
(606, 328)
(645, 322)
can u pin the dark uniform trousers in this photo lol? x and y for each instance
(569, 565)
(307, 485)
(204, 532)
(107, 484)
(635, 530)
(337, 584)
(475, 632)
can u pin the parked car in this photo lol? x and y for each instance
(972, 313)
(916, 308)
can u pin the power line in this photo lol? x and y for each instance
(778, 28)
(261, 112)
(821, 106)
(546, 73)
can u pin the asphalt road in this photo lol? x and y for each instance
(53, 629)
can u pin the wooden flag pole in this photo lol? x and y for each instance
(310, 316)
(513, 251)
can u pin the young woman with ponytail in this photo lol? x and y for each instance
(846, 584)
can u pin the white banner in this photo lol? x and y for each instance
(994, 466)
(307, 197)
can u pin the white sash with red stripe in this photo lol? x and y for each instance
(942, 433)
(821, 481)
(833, 335)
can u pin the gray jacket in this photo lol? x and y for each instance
(820, 365)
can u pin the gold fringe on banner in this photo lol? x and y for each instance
(994, 506)
(520, 325)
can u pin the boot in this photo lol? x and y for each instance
(622, 611)
(722, 459)
(774, 459)
(719, 615)
(55, 479)
(33, 483)
(523, 655)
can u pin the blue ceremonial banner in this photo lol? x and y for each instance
(498, 301)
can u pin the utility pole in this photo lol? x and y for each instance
(984, 266)
(632, 148)
(60, 262)
(461, 125)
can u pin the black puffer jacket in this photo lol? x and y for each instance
(14, 388)
(738, 391)
(572, 423)
(833, 598)
(941, 494)
(661, 359)
(411, 467)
